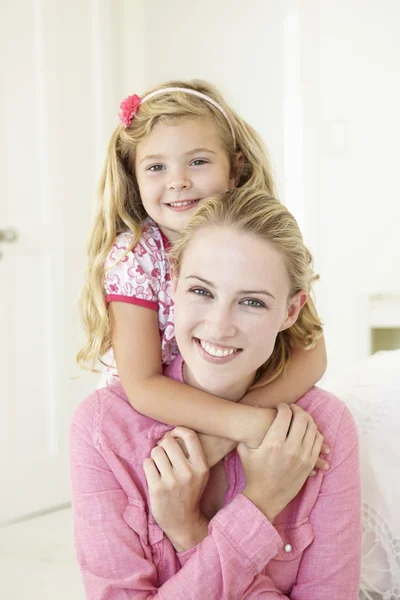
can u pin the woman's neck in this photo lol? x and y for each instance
(234, 393)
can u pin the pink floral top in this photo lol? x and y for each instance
(142, 277)
(311, 552)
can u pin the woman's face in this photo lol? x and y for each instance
(231, 300)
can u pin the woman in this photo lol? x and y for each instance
(254, 525)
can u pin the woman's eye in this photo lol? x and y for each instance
(253, 303)
(200, 292)
(155, 168)
(198, 162)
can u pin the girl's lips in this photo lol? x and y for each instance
(183, 205)
(217, 360)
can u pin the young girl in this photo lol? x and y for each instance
(176, 146)
(152, 521)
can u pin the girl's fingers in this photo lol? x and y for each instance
(321, 464)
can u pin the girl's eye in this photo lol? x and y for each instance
(155, 168)
(200, 292)
(253, 303)
(198, 162)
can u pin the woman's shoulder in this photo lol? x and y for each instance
(108, 421)
(331, 415)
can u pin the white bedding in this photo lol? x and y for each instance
(371, 390)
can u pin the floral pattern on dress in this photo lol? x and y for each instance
(142, 275)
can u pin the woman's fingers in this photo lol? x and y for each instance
(278, 431)
(195, 452)
(151, 473)
(162, 462)
(299, 426)
(175, 453)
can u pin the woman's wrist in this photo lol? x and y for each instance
(261, 501)
(192, 535)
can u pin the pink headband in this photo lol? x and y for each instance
(130, 105)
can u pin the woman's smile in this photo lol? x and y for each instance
(216, 353)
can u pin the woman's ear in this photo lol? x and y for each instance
(174, 279)
(294, 308)
(237, 171)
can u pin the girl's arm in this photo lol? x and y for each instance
(137, 349)
(304, 370)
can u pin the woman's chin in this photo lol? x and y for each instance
(229, 388)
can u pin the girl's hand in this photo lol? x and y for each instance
(176, 484)
(277, 470)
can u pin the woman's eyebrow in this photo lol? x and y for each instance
(200, 279)
(240, 292)
(264, 292)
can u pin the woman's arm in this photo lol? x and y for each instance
(304, 370)
(330, 567)
(136, 345)
(115, 558)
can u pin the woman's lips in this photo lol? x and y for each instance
(216, 354)
(182, 205)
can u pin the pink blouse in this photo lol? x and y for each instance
(311, 552)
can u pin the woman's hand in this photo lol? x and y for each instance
(215, 448)
(176, 482)
(277, 470)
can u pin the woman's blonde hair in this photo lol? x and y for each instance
(120, 207)
(255, 212)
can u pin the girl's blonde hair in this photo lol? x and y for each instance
(255, 212)
(120, 207)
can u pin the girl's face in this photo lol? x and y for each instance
(231, 300)
(176, 167)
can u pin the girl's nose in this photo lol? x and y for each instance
(179, 181)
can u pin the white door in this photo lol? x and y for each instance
(57, 89)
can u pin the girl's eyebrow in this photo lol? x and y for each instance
(162, 156)
(263, 292)
(200, 150)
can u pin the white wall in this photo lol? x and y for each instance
(334, 65)
(351, 87)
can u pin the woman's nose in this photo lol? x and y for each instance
(221, 325)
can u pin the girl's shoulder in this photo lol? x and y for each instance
(150, 243)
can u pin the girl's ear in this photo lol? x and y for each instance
(237, 171)
(294, 308)
(174, 279)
